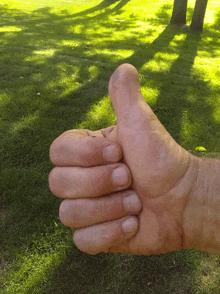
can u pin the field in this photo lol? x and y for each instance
(56, 58)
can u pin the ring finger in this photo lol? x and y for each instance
(78, 213)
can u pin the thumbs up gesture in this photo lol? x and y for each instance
(126, 188)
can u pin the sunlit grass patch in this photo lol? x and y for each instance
(161, 62)
(37, 262)
(10, 29)
(100, 115)
(207, 271)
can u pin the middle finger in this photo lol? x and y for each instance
(84, 182)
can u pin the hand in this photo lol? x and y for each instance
(141, 209)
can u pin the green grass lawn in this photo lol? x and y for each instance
(56, 58)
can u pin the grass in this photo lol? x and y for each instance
(56, 58)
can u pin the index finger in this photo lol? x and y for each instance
(81, 147)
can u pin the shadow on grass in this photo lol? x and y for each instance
(103, 4)
(37, 65)
(121, 273)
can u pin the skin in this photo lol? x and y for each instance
(160, 200)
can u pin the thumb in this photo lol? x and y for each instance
(148, 149)
(135, 119)
(126, 97)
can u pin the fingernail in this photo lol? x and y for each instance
(132, 204)
(120, 177)
(130, 226)
(110, 153)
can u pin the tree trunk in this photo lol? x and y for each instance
(198, 15)
(179, 12)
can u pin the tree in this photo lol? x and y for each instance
(179, 14)
(198, 15)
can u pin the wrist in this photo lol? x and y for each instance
(201, 218)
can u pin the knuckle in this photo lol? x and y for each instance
(58, 184)
(52, 179)
(54, 151)
(84, 242)
(77, 213)
(64, 212)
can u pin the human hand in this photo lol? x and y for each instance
(158, 171)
